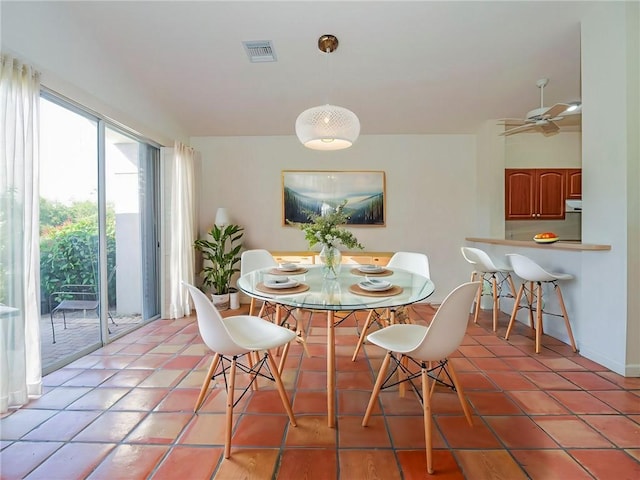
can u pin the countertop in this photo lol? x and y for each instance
(559, 245)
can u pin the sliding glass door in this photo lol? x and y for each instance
(132, 244)
(98, 215)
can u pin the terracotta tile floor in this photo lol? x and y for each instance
(126, 412)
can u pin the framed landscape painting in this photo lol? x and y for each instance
(316, 191)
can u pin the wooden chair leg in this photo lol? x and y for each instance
(436, 378)
(426, 406)
(566, 318)
(461, 397)
(402, 386)
(478, 297)
(363, 334)
(514, 312)
(229, 410)
(280, 386)
(283, 357)
(539, 326)
(376, 388)
(253, 358)
(300, 333)
(511, 285)
(494, 292)
(530, 303)
(207, 380)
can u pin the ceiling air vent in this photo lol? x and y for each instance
(260, 51)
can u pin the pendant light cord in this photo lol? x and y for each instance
(329, 76)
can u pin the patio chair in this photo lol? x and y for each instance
(76, 298)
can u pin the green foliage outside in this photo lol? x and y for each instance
(10, 239)
(69, 246)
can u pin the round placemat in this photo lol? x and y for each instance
(381, 273)
(394, 290)
(297, 271)
(301, 287)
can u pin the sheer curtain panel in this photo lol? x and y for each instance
(20, 364)
(181, 230)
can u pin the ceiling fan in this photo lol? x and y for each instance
(543, 119)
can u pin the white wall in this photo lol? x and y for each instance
(91, 70)
(489, 187)
(610, 58)
(534, 150)
(430, 192)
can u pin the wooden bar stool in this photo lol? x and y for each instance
(492, 272)
(534, 274)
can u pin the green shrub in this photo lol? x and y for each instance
(69, 255)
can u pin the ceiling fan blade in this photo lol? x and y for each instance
(548, 128)
(521, 128)
(556, 110)
(512, 121)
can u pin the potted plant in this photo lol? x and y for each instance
(221, 254)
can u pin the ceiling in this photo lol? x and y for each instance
(403, 67)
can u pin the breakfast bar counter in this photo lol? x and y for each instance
(559, 245)
(595, 312)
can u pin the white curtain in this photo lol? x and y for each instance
(20, 361)
(181, 230)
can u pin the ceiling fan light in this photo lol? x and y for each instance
(327, 127)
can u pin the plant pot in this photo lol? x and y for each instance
(221, 302)
(234, 299)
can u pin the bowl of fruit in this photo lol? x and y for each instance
(546, 237)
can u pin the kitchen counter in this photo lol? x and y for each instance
(592, 304)
(559, 245)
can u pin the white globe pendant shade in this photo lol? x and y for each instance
(327, 127)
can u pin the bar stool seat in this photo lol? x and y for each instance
(490, 271)
(532, 273)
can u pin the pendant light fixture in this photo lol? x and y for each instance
(327, 127)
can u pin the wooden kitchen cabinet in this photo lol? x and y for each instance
(535, 194)
(574, 183)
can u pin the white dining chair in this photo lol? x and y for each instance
(423, 346)
(492, 272)
(257, 259)
(536, 276)
(231, 339)
(414, 262)
(252, 260)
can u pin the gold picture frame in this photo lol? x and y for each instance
(306, 191)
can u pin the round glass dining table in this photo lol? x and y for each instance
(351, 291)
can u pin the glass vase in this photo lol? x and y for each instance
(331, 259)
